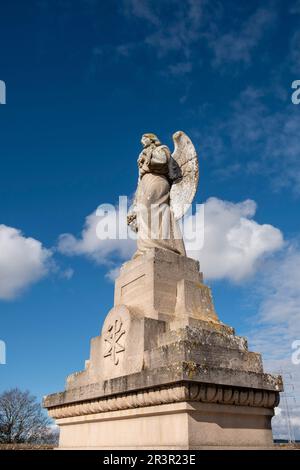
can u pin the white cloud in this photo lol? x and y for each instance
(23, 261)
(88, 244)
(113, 273)
(234, 243)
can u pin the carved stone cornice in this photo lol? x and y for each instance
(190, 392)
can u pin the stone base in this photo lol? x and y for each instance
(185, 425)
(165, 373)
(161, 284)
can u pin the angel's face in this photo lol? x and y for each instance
(145, 141)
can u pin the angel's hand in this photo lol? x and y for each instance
(159, 156)
(130, 218)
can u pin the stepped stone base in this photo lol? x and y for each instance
(165, 373)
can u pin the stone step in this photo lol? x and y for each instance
(209, 355)
(204, 336)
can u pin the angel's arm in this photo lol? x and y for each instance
(159, 157)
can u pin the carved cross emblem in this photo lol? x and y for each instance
(111, 340)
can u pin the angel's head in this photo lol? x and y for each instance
(148, 139)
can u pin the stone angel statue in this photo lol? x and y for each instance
(167, 185)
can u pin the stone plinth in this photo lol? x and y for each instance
(165, 372)
(182, 425)
(162, 284)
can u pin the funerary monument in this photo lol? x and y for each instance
(165, 372)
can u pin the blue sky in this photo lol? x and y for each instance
(84, 80)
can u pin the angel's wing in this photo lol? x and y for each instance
(185, 170)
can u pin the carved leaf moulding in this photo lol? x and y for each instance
(191, 392)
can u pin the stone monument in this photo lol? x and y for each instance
(165, 373)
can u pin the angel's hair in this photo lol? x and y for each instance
(154, 139)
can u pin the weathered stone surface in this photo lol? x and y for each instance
(194, 299)
(180, 425)
(119, 351)
(166, 187)
(163, 356)
(204, 333)
(171, 374)
(206, 357)
(180, 392)
(162, 284)
(162, 345)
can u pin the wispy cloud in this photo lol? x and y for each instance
(113, 273)
(287, 418)
(238, 45)
(181, 68)
(258, 139)
(178, 35)
(277, 325)
(295, 8)
(180, 38)
(294, 54)
(143, 9)
(188, 27)
(170, 28)
(279, 311)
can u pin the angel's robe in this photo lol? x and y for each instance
(157, 227)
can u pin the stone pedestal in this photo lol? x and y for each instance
(165, 373)
(182, 425)
(162, 285)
